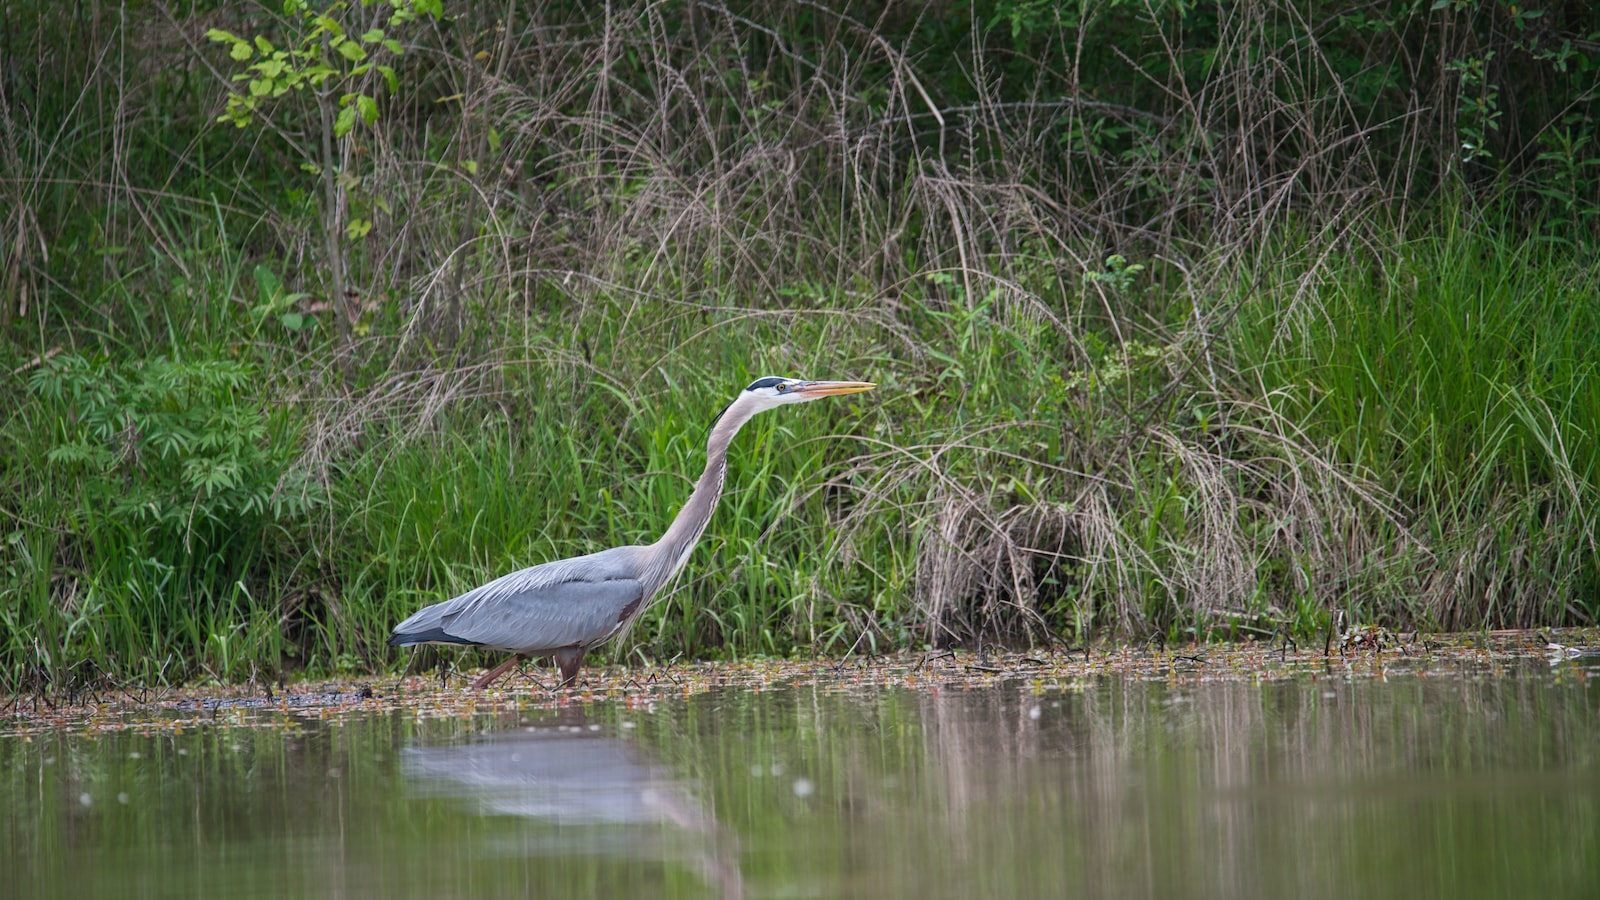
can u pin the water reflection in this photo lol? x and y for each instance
(1471, 784)
(1482, 781)
(569, 776)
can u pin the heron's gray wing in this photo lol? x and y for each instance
(548, 616)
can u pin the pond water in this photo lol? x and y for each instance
(1436, 781)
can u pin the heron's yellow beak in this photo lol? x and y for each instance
(831, 388)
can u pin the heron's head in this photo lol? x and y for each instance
(771, 391)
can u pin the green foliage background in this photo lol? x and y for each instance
(1200, 319)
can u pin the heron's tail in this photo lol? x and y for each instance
(431, 636)
(426, 626)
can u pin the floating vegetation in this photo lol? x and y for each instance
(1475, 655)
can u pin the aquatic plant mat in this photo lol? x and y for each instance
(1367, 654)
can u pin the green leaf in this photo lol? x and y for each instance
(217, 34)
(78, 452)
(389, 76)
(358, 228)
(172, 441)
(346, 122)
(319, 73)
(494, 141)
(470, 165)
(368, 108)
(211, 475)
(293, 321)
(373, 36)
(268, 283)
(393, 46)
(351, 50)
(240, 51)
(264, 45)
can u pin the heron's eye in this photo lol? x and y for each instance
(782, 387)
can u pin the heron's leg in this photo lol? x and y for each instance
(569, 660)
(497, 671)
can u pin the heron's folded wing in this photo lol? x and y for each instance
(548, 616)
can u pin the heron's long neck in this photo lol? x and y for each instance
(674, 546)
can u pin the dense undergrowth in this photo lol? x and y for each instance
(1187, 320)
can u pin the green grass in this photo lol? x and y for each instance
(1462, 378)
(1422, 454)
(1147, 365)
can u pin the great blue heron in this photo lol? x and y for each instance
(561, 609)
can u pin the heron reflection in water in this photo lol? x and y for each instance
(564, 608)
(583, 783)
